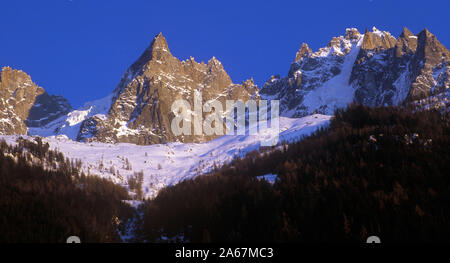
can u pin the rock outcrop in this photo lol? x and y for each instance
(24, 104)
(393, 71)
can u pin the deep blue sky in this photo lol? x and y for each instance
(80, 48)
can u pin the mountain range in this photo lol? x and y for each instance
(373, 68)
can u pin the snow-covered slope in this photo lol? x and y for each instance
(336, 92)
(141, 110)
(70, 123)
(167, 164)
(317, 80)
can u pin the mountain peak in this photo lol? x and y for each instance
(406, 32)
(303, 51)
(158, 50)
(351, 33)
(430, 49)
(215, 64)
(378, 40)
(214, 60)
(407, 43)
(425, 34)
(159, 42)
(373, 69)
(140, 110)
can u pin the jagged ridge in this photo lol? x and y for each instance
(140, 108)
(373, 68)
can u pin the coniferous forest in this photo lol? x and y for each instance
(45, 199)
(373, 171)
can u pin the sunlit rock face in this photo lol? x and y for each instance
(141, 106)
(24, 104)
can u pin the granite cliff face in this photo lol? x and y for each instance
(373, 68)
(24, 104)
(140, 109)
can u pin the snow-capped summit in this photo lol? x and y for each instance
(373, 68)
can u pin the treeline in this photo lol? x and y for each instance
(45, 198)
(373, 171)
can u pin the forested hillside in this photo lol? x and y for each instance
(44, 198)
(373, 171)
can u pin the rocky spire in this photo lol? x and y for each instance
(377, 40)
(159, 43)
(23, 102)
(406, 43)
(429, 56)
(158, 50)
(303, 51)
(430, 49)
(141, 107)
(406, 33)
